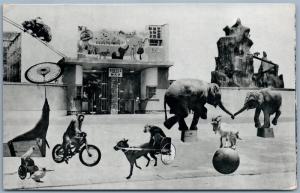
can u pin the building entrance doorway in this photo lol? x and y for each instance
(129, 93)
(96, 92)
(102, 93)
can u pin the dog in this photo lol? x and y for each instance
(225, 133)
(133, 155)
(156, 135)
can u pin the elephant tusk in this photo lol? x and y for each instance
(241, 110)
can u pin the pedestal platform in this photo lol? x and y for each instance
(265, 132)
(189, 136)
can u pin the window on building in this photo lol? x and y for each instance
(155, 36)
(150, 91)
(155, 42)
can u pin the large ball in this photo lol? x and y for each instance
(226, 160)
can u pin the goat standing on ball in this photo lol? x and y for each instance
(225, 133)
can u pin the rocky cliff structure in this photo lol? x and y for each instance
(234, 64)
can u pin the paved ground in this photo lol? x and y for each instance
(264, 163)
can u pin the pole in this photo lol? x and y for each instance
(45, 88)
(267, 61)
(21, 28)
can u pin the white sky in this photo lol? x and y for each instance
(194, 30)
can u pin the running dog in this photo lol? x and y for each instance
(134, 154)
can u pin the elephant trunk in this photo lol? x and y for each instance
(224, 109)
(241, 110)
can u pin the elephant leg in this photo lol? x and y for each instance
(170, 122)
(278, 113)
(180, 108)
(266, 119)
(181, 116)
(182, 125)
(256, 118)
(195, 121)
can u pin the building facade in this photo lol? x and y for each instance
(118, 72)
(11, 56)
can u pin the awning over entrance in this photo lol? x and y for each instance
(97, 64)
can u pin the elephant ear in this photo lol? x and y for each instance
(249, 94)
(260, 98)
(214, 92)
(254, 96)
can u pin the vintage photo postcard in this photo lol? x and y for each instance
(149, 97)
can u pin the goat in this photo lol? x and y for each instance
(225, 132)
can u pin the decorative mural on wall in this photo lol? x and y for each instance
(105, 44)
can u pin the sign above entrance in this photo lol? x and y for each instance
(115, 72)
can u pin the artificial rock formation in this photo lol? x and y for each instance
(234, 64)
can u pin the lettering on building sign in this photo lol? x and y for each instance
(115, 72)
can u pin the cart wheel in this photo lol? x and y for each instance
(22, 172)
(168, 153)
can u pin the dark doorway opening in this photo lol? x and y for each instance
(96, 92)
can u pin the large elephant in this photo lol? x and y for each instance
(264, 100)
(191, 94)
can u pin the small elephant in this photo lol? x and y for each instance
(264, 100)
(191, 94)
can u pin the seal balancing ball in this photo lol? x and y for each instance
(226, 160)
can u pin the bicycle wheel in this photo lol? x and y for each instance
(43, 72)
(168, 154)
(58, 153)
(90, 157)
(22, 172)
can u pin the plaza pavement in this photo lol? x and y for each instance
(265, 163)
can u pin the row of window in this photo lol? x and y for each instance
(155, 36)
(150, 91)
